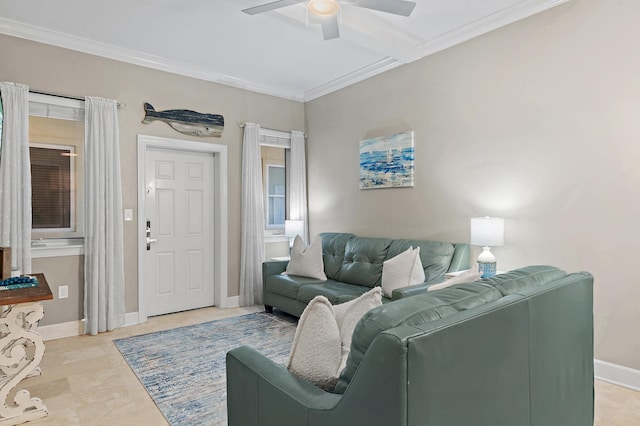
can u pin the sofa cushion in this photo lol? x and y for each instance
(336, 292)
(306, 261)
(287, 285)
(524, 278)
(363, 260)
(435, 255)
(333, 247)
(414, 310)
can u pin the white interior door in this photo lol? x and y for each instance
(179, 210)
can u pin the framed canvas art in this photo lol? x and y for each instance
(387, 161)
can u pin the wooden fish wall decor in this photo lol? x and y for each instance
(185, 121)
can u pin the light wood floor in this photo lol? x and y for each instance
(85, 380)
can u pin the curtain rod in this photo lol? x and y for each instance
(241, 125)
(75, 98)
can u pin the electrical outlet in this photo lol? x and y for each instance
(63, 291)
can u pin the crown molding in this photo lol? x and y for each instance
(356, 76)
(487, 24)
(66, 41)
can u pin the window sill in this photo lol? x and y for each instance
(271, 238)
(57, 248)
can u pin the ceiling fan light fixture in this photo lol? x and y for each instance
(323, 8)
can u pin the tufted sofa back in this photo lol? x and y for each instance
(333, 248)
(363, 258)
(358, 260)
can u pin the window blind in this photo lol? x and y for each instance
(51, 188)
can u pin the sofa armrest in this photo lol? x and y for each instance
(274, 267)
(262, 392)
(412, 290)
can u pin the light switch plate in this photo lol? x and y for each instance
(128, 215)
(63, 291)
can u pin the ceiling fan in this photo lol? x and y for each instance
(327, 10)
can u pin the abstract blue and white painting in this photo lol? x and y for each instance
(387, 161)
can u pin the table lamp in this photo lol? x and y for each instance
(487, 232)
(293, 228)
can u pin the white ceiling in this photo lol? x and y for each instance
(275, 53)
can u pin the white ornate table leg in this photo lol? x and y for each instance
(21, 350)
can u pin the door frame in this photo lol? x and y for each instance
(220, 222)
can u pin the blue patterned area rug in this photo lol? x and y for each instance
(184, 371)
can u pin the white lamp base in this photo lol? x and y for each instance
(487, 265)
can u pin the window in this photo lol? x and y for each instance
(52, 187)
(56, 147)
(276, 202)
(274, 188)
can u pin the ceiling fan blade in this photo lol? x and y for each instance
(270, 6)
(397, 7)
(330, 27)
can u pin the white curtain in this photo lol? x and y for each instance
(298, 182)
(252, 218)
(15, 176)
(103, 259)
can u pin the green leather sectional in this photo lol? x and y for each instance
(515, 349)
(353, 266)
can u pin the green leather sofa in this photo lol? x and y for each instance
(515, 349)
(353, 266)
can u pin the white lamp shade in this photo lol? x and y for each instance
(293, 228)
(487, 231)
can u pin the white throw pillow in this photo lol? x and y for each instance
(466, 277)
(349, 313)
(316, 352)
(306, 261)
(402, 270)
(323, 337)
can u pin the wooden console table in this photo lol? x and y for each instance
(21, 350)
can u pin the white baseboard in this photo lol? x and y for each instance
(131, 318)
(617, 374)
(62, 330)
(76, 328)
(231, 302)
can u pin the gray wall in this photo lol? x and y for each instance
(60, 271)
(537, 122)
(55, 70)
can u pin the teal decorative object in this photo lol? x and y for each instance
(18, 282)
